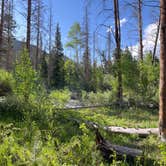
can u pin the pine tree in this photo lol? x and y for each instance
(57, 62)
(43, 68)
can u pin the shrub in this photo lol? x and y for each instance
(6, 83)
(81, 150)
(96, 98)
(163, 153)
(59, 97)
(25, 77)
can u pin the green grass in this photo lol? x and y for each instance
(134, 118)
(63, 128)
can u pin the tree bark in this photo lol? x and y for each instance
(28, 37)
(140, 29)
(156, 40)
(2, 22)
(162, 110)
(38, 33)
(118, 49)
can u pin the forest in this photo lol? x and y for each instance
(82, 84)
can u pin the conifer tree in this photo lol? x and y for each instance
(57, 62)
(43, 68)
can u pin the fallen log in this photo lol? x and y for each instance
(140, 132)
(108, 150)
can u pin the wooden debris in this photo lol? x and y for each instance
(141, 132)
(107, 149)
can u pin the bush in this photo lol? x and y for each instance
(96, 98)
(163, 154)
(25, 77)
(6, 83)
(59, 97)
(81, 150)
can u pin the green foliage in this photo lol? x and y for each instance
(96, 78)
(59, 97)
(6, 83)
(163, 153)
(130, 74)
(81, 150)
(71, 76)
(43, 69)
(74, 36)
(25, 77)
(57, 62)
(96, 98)
(149, 79)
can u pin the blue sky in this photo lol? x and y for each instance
(66, 12)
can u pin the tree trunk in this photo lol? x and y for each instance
(118, 49)
(156, 40)
(28, 38)
(162, 111)
(38, 33)
(9, 37)
(2, 23)
(140, 29)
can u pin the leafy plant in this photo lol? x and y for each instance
(25, 77)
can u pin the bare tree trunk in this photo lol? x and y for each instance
(9, 55)
(156, 40)
(87, 52)
(50, 29)
(140, 29)
(2, 23)
(50, 47)
(118, 50)
(28, 37)
(162, 111)
(38, 33)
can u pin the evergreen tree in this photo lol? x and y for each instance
(75, 42)
(43, 68)
(57, 62)
(25, 77)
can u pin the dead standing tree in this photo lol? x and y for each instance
(28, 35)
(140, 29)
(118, 49)
(86, 56)
(162, 110)
(2, 26)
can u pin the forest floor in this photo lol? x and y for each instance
(131, 117)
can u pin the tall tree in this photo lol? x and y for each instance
(118, 49)
(9, 27)
(162, 111)
(156, 41)
(140, 29)
(38, 27)
(74, 42)
(43, 68)
(57, 62)
(2, 21)
(28, 36)
(1, 27)
(86, 54)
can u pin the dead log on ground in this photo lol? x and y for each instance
(107, 149)
(141, 132)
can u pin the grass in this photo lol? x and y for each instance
(65, 128)
(134, 118)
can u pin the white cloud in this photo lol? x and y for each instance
(123, 21)
(149, 37)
